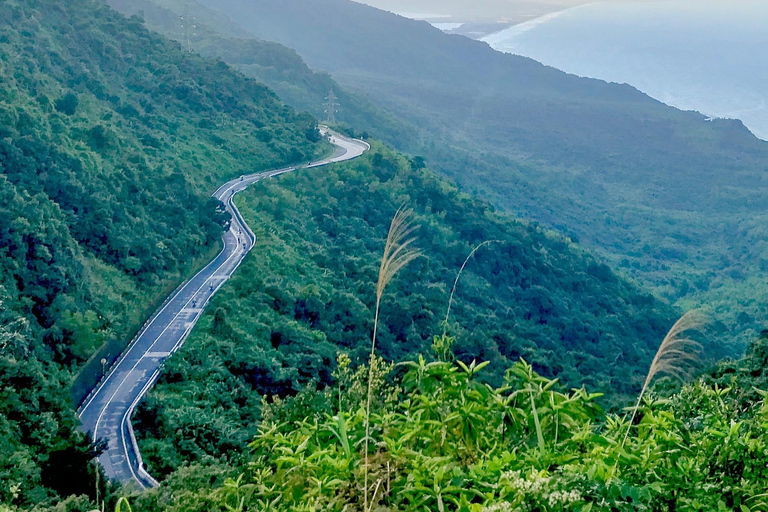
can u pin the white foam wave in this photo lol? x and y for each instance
(504, 40)
(447, 26)
(423, 16)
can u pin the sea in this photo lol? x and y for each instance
(705, 55)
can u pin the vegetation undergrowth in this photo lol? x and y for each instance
(103, 125)
(111, 141)
(432, 435)
(442, 440)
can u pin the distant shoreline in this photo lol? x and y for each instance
(617, 53)
(519, 28)
(481, 28)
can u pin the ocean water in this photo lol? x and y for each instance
(705, 55)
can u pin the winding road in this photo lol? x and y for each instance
(107, 412)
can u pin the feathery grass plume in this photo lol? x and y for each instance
(677, 353)
(398, 253)
(675, 357)
(456, 281)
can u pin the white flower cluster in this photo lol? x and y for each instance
(533, 484)
(499, 507)
(563, 497)
(536, 486)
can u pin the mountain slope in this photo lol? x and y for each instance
(111, 139)
(275, 65)
(671, 199)
(540, 112)
(306, 293)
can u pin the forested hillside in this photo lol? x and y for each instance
(111, 140)
(664, 195)
(212, 34)
(307, 293)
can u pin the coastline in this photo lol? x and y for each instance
(657, 50)
(482, 28)
(503, 40)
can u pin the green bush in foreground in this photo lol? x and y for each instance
(443, 441)
(437, 436)
(449, 442)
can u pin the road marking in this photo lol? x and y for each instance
(156, 355)
(218, 277)
(144, 330)
(154, 342)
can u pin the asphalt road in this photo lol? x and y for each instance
(107, 412)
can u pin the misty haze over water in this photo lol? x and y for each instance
(695, 55)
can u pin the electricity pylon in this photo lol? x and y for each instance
(330, 107)
(188, 26)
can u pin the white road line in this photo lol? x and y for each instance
(145, 329)
(172, 321)
(154, 342)
(225, 193)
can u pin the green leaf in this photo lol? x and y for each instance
(539, 433)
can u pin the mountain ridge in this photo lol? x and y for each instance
(665, 196)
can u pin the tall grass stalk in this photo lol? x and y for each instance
(456, 281)
(675, 357)
(398, 253)
(123, 505)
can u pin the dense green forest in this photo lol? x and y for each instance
(306, 293)
(663, 195)
(111, 140)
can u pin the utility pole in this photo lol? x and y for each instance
(330, 107)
